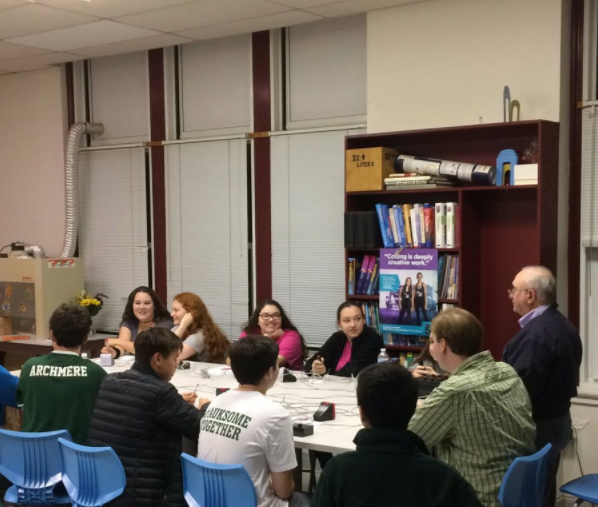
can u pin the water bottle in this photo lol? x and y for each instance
(383, 356)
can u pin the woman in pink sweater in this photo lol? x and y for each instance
(269, 319)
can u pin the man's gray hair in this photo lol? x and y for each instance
(543, 282)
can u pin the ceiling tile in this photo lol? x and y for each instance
(203, 13)
(12, 51)
(110, 8)
(251, 25)
(7, 4)
(349, 7)
(84, 36)
(37, 62)
(157, 41)
(35, 18)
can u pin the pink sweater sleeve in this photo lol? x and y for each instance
(289, 347)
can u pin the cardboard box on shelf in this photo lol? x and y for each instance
(366, 168)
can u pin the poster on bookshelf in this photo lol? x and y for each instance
(408, 290)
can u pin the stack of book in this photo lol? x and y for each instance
(413, 181)
(364, 276)
(419, 225)
(448, 274)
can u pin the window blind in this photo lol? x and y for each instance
(119, 98)
(113, 227)
(206, 192)
(589, 177)
(211, 70)
(308, 269)
(326, 73)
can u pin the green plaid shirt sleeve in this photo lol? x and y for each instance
(479, 421)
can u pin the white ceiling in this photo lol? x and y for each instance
(39, 33)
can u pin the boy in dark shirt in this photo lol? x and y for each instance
(391, 465)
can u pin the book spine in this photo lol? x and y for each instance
(398, 211)
(351, 282)
(407, 217)
(414, 227)
(368, 319)
(376, 289)
(368, 278)
(429, 225)
(422, 227)
(362, 274)
(457, 225)
(450, 224)
(370, 289)
(393, 226)
(382, 211)
(440, 224)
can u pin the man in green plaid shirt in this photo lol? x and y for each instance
(479, 420)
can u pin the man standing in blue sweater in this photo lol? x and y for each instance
(546, 353)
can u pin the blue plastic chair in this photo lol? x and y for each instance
(210, 485)
(31, 461)
(523, 484)
(585, 488)
(92, 476)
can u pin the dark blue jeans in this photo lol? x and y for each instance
(558, 433)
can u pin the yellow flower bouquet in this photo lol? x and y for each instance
(93, 304)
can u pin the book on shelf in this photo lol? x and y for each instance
(451, 214)
(407, 222)
(361, 230)
(418, 180)
(413, 216)
(373, 277)
(429, 225)
(351, 277)
(448, 273)
(371, 314)
(417, 186)
(399, 220)
(363, 278)
(393, 226)
(440, 224)
(382, 212)
(362, 274)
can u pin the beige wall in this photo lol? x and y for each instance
(32, 126)
(445, 62)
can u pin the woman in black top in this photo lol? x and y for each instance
(406, 299)
(349, 350)
(420, 298)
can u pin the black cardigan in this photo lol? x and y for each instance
(143, 419)
(365, 350)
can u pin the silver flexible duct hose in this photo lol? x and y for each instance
(71, 182)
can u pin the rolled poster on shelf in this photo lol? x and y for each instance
(475, 173)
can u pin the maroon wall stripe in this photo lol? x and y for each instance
(575, 162)
(158, 133)
(70, 95)
(261, 157)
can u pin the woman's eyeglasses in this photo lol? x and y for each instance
(267, 316)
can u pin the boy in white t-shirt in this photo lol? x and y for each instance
(244, 427)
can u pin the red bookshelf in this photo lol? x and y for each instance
(501, 228)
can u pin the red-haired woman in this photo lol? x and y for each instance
(203, 339)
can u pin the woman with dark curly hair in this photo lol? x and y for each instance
(144, 310)
(203, 339)
(269, 319)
